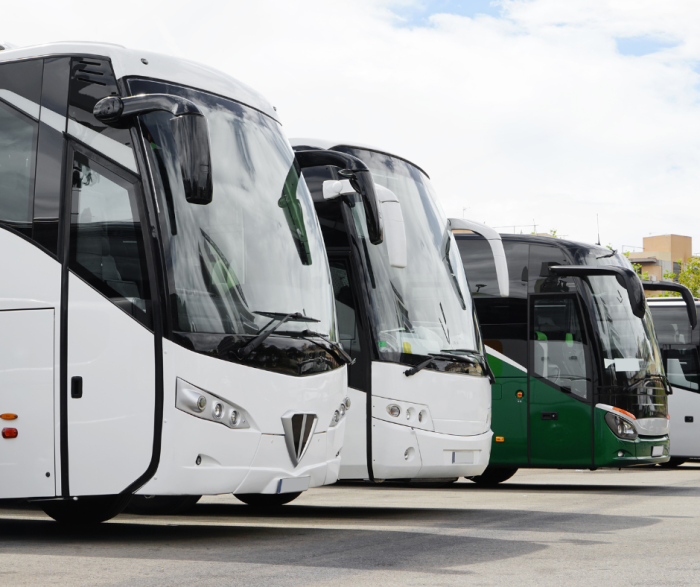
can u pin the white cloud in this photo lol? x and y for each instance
(531, 116)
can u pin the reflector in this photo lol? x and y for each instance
(9, 432)
(500, 439)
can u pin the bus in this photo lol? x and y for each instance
(419, 386)
(579, 376)
(679, 340)
(166, 312)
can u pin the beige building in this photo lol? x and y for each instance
(663, 253)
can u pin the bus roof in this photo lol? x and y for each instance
(137, 63)
(324, 144)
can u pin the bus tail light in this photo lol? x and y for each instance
(9, 432)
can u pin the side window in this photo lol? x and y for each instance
(345, 308)
(683, 367)
(504, 326)
(106, 242)
(540, 279)
(559, 344)
(20, 95)
(18, 135)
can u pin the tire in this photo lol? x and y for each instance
(161, 505)
(672, 463)
(492, 476)
(85, 510)
(267, 500)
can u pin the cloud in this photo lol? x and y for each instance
(533, 110)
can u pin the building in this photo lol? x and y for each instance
(663, 253)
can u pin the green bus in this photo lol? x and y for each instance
(579, 375)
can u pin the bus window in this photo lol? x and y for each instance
(541, 280)
(683, 367)
(559, 344)
(20, 93)
(106, 243)
(345, 308)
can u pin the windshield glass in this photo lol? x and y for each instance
(255, 253)
(425, 307)
(630, 351)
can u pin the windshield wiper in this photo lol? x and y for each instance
(444, 357)
(260, 338)
(610, 254)
(336, 348)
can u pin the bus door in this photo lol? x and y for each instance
(682, 365)
(107, 339)
(560, 383)
(353, 338)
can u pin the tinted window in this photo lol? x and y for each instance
(504, 326)
(18, 135)
(683, 367)
(106, 247)
(559, 344)
(540, 279)
(481, 271)
(672, 325)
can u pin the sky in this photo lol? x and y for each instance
(527, 114)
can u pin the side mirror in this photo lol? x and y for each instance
(496, 244)
(190, 130)
(361, 181)
(625, 277)
(394, 229)
(686, 294)
(191, 133)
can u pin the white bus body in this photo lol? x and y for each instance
(396, 309)
(680, 347)
(128, 305)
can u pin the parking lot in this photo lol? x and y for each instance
(633, 527)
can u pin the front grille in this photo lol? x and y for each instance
(298, 431)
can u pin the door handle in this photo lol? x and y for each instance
(550, 415)
(76, 387)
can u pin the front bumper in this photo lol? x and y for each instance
(402, 452)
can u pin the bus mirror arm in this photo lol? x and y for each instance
(686, 294)
(626, 277)
(190, 131)
(494, 239)
(360, 178)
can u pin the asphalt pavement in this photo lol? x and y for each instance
(636, 527)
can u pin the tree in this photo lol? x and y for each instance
(688, 276)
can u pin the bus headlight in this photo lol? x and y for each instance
(621, 427)
(339, 414)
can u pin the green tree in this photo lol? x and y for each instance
(688, 276)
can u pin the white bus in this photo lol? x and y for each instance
(675, 322)
(167, 322)
(420, 387)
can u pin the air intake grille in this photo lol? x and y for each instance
(298, 431)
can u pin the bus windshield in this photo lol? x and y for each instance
(425, 307)
(255, 253)
(630, 352)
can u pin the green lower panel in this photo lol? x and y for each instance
(509, 422)
(634, 452)
(564, 441)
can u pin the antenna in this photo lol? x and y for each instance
(598, 223)
(463, 209)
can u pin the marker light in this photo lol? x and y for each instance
(625, 412)
(8, 416)
(519, 394)
(201, 403)
(500, 439)
(9, 432)
(393, 410)
(218, 410)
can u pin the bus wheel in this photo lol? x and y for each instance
(85, 510)
(492, 476)
(673, 462)
(161, 505)
(267, 500)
